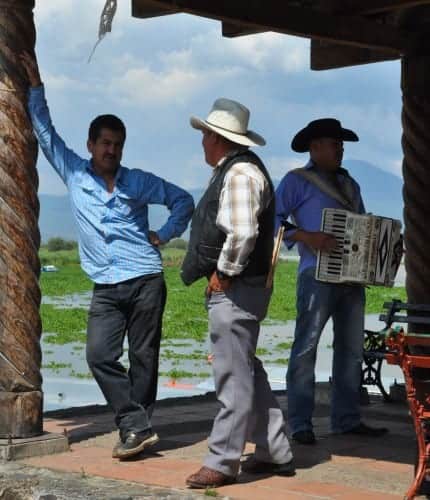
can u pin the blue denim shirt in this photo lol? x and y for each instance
(301, 199)
(112, 227)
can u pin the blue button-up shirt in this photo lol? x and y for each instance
(113, 227)
(301, 199)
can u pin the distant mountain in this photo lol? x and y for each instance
(381, 191)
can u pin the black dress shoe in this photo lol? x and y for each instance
(363, 429)
(134, 443)
(254, 466)
(304, 437)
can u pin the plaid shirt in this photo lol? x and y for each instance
(244, 195)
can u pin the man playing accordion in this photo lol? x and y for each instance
(302, 195)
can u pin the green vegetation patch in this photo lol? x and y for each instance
(176, 374)
(56, 367)
(283, 303)
(169, 354)
(279, 361)
(185, 315)
(171, 343)
(172, 257)
(58, 258)
(68, 280)
(283, 346)
(377, 295)
(63, 325)
(80, 375)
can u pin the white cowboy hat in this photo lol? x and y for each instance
(229, 119)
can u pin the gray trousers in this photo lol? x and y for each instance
(249, 410)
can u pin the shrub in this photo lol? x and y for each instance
(56, 244)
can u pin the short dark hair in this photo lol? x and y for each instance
(110, 122)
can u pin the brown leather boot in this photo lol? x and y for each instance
(208, 478)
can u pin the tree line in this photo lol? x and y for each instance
(56, 244)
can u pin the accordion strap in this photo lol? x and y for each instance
(328, 188)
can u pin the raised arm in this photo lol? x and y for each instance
(62, 158)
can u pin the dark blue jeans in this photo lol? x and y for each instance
(133, 308)
(316, 303)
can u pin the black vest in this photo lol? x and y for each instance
(206, 240)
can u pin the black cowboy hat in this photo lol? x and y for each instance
(325, 127)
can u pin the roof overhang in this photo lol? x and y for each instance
(343, 32)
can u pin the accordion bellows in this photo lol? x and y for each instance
(369, 249)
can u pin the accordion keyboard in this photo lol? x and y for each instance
(331, 263)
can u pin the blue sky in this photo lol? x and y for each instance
(155, 73)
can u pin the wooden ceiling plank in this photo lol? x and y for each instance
(326, 55)
(144, 9)
(230, 30)
(378, 6)
(279, 17)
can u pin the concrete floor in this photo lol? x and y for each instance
(337, 467)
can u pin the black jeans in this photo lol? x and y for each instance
(133, 307)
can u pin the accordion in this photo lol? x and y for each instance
(369, 249)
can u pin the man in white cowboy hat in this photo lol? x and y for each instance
(231, 245)
(303, 194)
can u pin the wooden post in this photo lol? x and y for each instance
(416, 174)
(20, 326)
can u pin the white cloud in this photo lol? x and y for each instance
(175, 73)
(75, 24)
(279, 166)
(65, 83)
(261, 52)
(203, 63)
(155, 73)
(47, 11)
(196, 173)
(272, 51)
(142, 86)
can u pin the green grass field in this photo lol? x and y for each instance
(185, 316)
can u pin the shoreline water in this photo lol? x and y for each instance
(63, 391)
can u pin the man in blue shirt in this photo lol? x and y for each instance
(121, 256)
(303, 194)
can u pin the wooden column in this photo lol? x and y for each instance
(416, 174)
(20, 326)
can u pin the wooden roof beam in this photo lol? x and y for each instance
(377, 6)
(148, 8)
(327, 55)
(279, 17)
(230, 30)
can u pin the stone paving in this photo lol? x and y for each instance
(337, 467)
